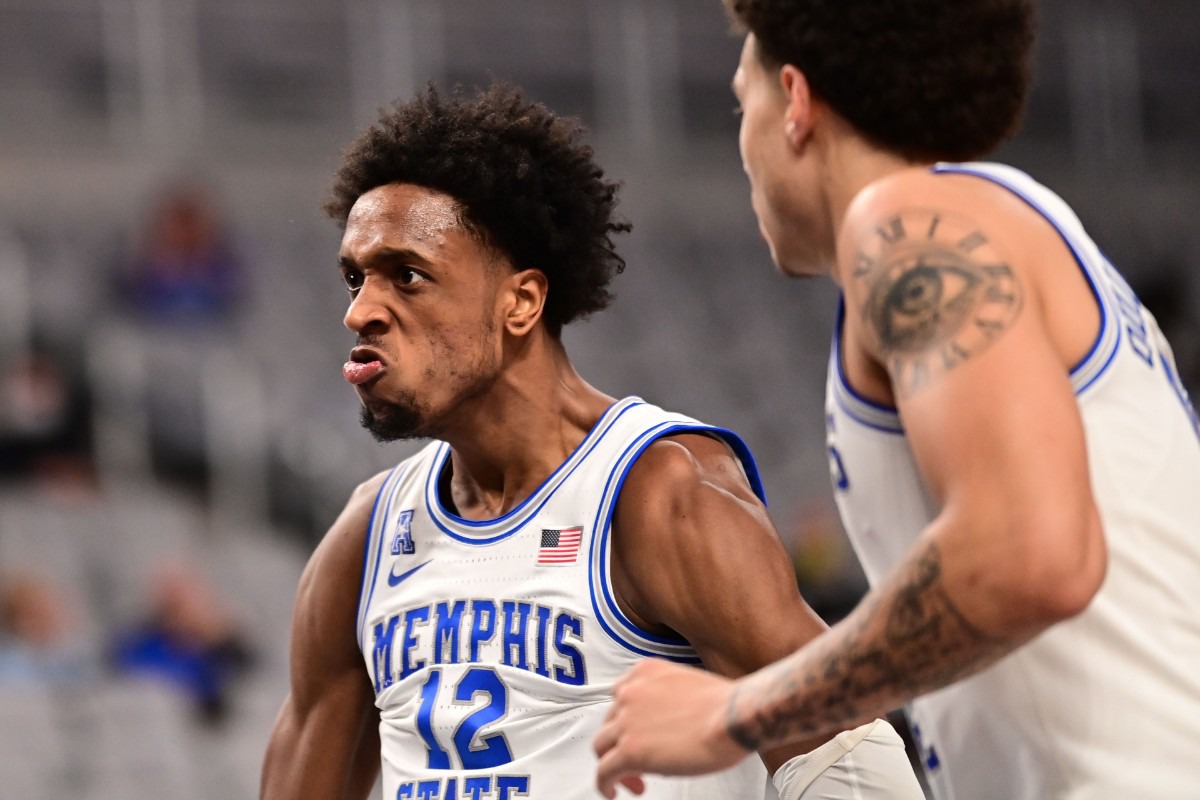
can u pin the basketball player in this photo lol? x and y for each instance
(1012, 451)
(465, 620)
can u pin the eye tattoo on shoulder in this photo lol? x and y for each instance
(937, 293)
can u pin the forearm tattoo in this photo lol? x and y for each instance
(936, 294)
(905, 640)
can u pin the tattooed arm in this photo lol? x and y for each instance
(947, 301)
(947, 298)
(945, 317)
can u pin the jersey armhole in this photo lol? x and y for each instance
(373, 545)
(609, 615)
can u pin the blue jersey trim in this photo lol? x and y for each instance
(541, 495)
(1080, 261)
(891, 430)
(862, 410)
(364, 601)
(612, 490)
(1079, 390)
(742, 451)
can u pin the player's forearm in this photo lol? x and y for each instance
(306, 776)
(309, 761)
(907, 638)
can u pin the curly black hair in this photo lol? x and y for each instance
(928, 79)
(525, 183)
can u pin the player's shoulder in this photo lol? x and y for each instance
(362, 498)
(916, 214)
(355, 516)
(329, 592)
(341, 548)
(673, 468)
(919, 203)
(362, 501)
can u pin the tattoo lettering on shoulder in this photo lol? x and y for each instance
(937, 293)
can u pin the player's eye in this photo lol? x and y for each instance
(409, 277)
(353, 279)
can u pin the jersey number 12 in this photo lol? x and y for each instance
(489, 751)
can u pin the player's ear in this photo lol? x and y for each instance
(525, 297)
(798, 117)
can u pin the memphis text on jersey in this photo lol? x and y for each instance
(461, 649)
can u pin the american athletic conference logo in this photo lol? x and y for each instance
(402, 542)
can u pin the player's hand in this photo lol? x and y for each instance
(665, 719)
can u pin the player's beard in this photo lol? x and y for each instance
(398, 421)
(403, 418)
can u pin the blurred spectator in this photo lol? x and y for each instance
(45, 425)
(186, 270)
(38, 639)
(184, 282)
(190, 639)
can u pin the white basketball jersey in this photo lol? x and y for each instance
(1106, 705)
(494, 646)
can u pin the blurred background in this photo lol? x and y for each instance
(175, 434)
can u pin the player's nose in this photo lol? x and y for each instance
(367, 312)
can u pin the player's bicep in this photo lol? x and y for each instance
(327, 717)
(324, 637)
(329, 750)
(701, 556)
(706, 560)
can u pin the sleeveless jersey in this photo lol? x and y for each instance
(494, 646)
(1105, 705)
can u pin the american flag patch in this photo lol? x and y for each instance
(560, 546)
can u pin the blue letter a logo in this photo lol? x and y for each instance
(403, 541)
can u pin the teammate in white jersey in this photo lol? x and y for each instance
(462, 626)
(1013, 453)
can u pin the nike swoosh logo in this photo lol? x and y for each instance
(395, 580)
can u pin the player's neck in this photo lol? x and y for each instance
(853, 164)
(529, 423)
